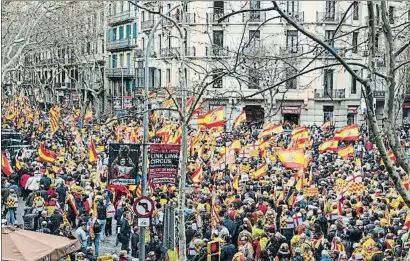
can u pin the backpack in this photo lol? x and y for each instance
(97, 227)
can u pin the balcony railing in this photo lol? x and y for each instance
(121, 17)
(253, 49)
(295, 16)
(122, 44)
(147, 25)
(329, 17)
(332, 94)
(174, 52)
(379, 94)
(212, 18)
(217, 51)
(291, 50)
(254, 17)
(120, 72)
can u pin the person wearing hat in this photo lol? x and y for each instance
(12, 205)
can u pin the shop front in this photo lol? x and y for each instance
(291, 114)
(352, 114)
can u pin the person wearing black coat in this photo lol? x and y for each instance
(45, 181)
(125, 232)
(228, 250)
(56, 219)
(102, 217)
(135, 239)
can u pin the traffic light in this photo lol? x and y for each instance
(214, 251)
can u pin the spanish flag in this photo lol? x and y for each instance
(301, 136)
(301, 180)
(93, 155)
(291, 158)
(271, 129)
(240, 119)
(260, 172)
(18, 165)
(88, 114)
(46, 155)
(190, 103)
(328, 145)
(350, 132)
(299, 129)
(346, 152)
(5, 165)
(326, 125)
(197, 175)
(213, 118)
(177, 137)
(338, 135)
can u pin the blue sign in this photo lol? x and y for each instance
(120, 114)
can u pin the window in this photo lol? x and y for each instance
(143, 43)
(292, 7)
(110, 9)
(354, 42)
(121, 60)
(217, 78)
(114, 61)
(121, 32)
(391, 14)
(353, 90)
(329, 37)
(160, 41)
(291, 84)
(328, 82)
(122, 6)
(128, 60)
(255, 15)
(377, 14)
(327, 113)
(292, 41)
(114, 34)
(159, 78)
(356, 10)
(143, 16)
(128, 31)
(168, 76)
(330, 10)
(254, 37)
(134, 31)
(218, 38)
(376, 42)
(219, 7)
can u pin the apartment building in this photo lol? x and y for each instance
(122, 50)
(252, 56)
(67, 61)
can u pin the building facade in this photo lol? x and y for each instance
(255, 50)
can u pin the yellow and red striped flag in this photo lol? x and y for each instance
(46, 155)
(88, 114)
(240, 119)
(197, 175)
(260, 172)
(92, 152)
(54, 117)
(346, 152)
(328, 145)
(291, 158)
(350, 132)
(5, 165)
(18, 165)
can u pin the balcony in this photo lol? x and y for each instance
(291, 50)
(122, 44)
(212, 18)
(122, 17)
(147, 25)
(254, 17)
(338, 94)
(298, 17)
(174, 52)
(217, 51)
(253, 49)
(379, 95)
(329, 17)
(120, 72)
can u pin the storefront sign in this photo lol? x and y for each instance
(117, 103)
(127, 101)
(406, 105)
(352, 109)
(123, 163)
(291, 110)
(163, 164)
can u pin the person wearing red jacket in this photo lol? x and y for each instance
(23, 182)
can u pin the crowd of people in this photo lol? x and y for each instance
(276, 213)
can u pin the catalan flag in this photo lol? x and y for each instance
(260, 172)
(214, 211)
(176, 138)
(301, 180)
(350, 132)
(328, 145)
(240, 119)
(291, 158)
(5, 165)
(92, 152)
(346, 152)
(54, 117)
(46, 155)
